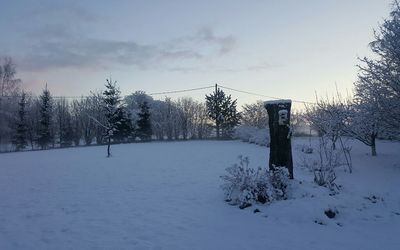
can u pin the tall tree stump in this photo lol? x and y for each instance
(280, 134)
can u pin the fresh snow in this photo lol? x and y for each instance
(166, 195)
(280, 101)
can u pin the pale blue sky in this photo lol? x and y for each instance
(282, 48)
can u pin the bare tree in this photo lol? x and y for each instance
(186, 114)
(255, 115)
(33, 117)
(202, 123)
(9, 84)
(328, 117)
(9, 89)
(382, 72)
(21, 126)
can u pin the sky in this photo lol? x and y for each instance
(289, 49)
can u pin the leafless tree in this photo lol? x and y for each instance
(255, 115)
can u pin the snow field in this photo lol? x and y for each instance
(166, 195)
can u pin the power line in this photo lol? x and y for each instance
(151, 94)
(181, 91)
(261, 95)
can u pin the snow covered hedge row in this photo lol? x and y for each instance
(252, 135)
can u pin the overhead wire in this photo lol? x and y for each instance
(183, 91)
(261, 95)
(180, 91)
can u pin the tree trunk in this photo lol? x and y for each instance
(108, 147)
(334, 138)
(373, 146)
(280, 135)
(218, 129)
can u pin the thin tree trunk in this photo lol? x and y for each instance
(334, 142)
(108, 147)
(218, 129)
(373, 146)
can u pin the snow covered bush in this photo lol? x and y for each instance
(259, 136)
(244, 132)
(325, 162)
(244, 185)
(307, 149)
(279, 179)
(325, 177)
(328, 117)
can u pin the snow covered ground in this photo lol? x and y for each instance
(167, 196)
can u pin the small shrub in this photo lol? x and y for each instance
(323, 164)
(244, 185)
(280, 182)
(244, 133)
(252, 135)
(326, 178)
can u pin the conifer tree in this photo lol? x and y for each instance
(20, 138)
(231, 117)
(222, 110)
(124, 128)
(46, 109)
(144, 130)
(111, 105)
(64, 123)
(67, 133)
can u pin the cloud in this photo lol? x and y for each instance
(60, 12)
(98, 53)
(261, 66)
(58, 36)
(89, 53)
(225, 43)
(65, 43)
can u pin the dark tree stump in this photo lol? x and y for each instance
(280, 134)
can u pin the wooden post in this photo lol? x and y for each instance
(280, 135)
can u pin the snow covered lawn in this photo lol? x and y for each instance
(167, 196)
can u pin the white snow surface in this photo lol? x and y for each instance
(280, 101)
(166, 195)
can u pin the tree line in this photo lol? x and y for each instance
(105, 117)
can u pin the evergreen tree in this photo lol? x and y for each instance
(231, 117)
(111, 105)
(222, 110)
(124, 128)
(67, 133)
(64, 123)
(144, 130)
(20, 138)
(46, 109)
